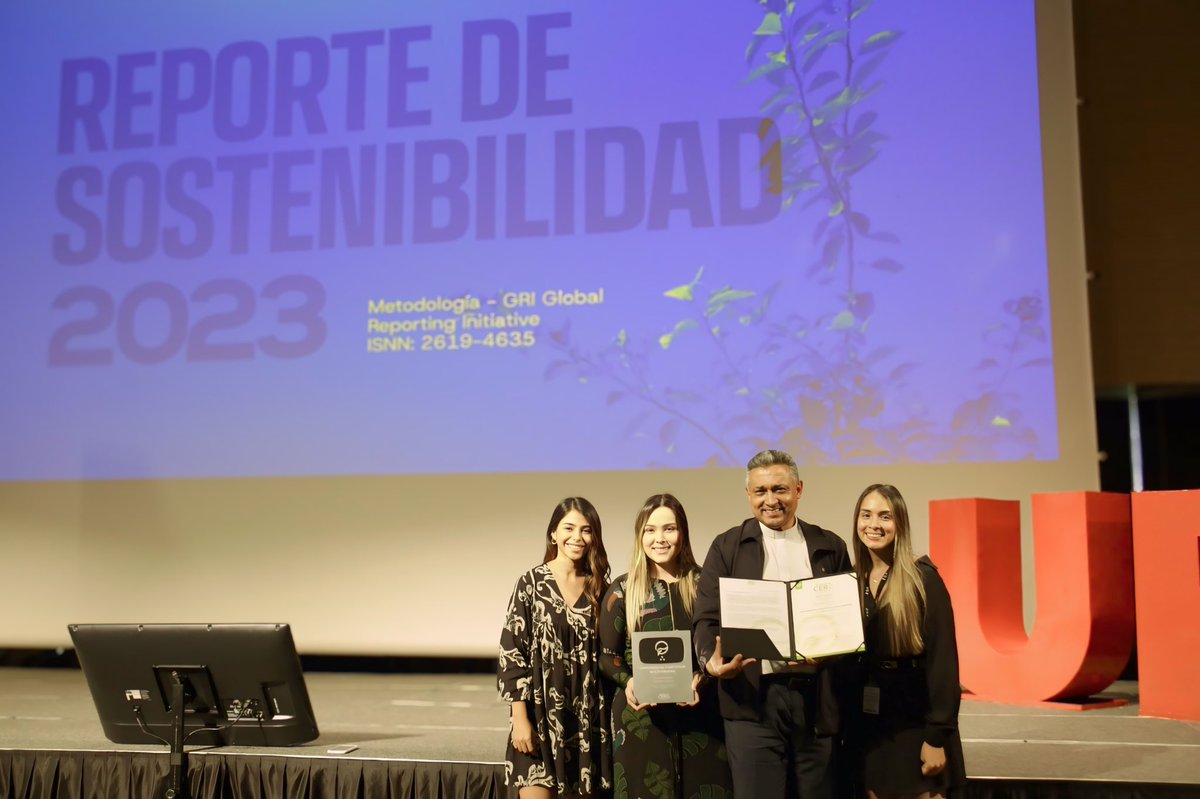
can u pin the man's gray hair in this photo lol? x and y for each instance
(772, 457)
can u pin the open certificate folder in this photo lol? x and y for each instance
(777, 620)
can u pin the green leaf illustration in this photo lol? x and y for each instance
(881, 39)
(667, 339)
(1000, 421)
(862, 6)
(770, 26)
(843, 321)
(811, 32)
(785, 93)
(693, 743)
(659, 781)
(685, 292)
(770, 66)
(636, 723)
(620, 784)
(723, 297)
(844, 99)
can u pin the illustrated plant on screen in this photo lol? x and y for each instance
(830, 393)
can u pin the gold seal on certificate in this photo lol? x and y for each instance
(777, 620)
(662, 666)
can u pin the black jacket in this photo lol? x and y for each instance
(738, 552)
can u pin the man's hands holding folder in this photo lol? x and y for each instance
(722, 669)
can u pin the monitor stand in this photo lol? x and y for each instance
(177, 784)
(190, 691)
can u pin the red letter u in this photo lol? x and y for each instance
(1083, 562)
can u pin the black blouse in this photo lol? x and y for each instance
(938, 661)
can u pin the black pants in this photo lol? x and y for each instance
(781, 755)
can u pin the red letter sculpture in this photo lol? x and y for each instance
(1083, 630)
(1166, 561)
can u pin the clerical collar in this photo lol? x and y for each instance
(770, 533)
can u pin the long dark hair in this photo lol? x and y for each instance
(595, 565)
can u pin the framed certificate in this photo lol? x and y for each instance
(777, 620)
(662, 666)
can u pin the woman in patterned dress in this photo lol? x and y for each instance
(548, 664)
(663, 751)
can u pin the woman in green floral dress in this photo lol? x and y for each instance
(662, 751)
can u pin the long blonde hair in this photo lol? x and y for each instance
(902, 605)
(637, 586)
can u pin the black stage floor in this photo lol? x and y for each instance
(457, 719)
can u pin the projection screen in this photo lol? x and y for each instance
(312, 314)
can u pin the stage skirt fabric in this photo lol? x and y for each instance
(143, 775)
(40, 774)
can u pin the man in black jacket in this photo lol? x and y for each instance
(780, 717)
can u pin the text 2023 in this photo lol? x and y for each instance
(204, 324)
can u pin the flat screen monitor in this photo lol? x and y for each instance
(240, 684)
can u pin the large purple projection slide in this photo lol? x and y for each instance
(398, 238)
